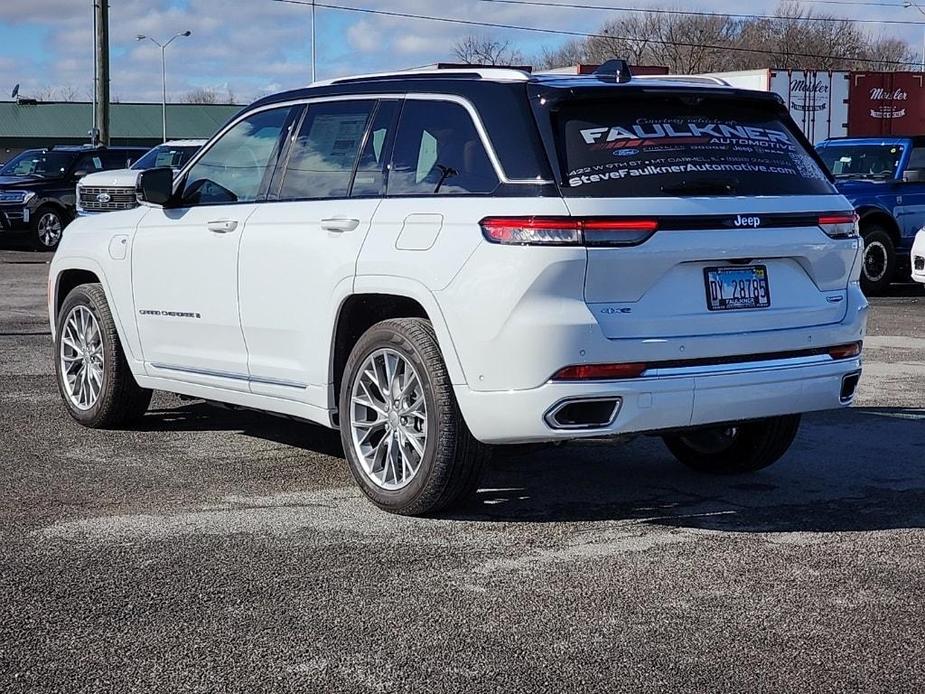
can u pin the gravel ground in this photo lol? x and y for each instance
(210, 551)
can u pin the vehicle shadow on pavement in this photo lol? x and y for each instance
(201, 416)
(856, 470)
(862, 469)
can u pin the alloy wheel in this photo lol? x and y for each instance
(876, 261)
(388, 419)
(82, 358)
(49, 229)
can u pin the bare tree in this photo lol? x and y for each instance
(60, 92)
(795, 37)
(482, 50)
(201, 95)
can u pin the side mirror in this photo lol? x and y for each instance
(80, 173)
(914, 176)
(155, 186)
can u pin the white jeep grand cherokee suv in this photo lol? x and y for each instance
(437, 262)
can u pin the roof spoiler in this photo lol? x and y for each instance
(614, 70)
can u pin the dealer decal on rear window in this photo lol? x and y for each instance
(611, 154)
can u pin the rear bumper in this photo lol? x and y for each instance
(682, 399)
(918, 257)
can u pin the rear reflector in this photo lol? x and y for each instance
(840, 226)
(599, 372)
(848, 351)
(567, 231)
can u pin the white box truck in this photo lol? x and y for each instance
(817, 99)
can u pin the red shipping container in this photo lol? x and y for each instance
(886, 103)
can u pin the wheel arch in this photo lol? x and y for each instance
(877, 215)
(73, 272)
(372, 302)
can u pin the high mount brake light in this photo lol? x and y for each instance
(840, 226)
(567, 231)
(599, 372)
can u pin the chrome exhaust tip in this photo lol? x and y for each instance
(583, 413)
(849, 385)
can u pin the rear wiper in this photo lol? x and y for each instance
(706, 187)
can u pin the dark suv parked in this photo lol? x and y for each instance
(37, 188)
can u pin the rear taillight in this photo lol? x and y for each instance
(567, 231)
(599, 372)
(840, 226)
(852, 349)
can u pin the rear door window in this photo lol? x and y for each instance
(679, 146)
(372, 168)
(325, 151)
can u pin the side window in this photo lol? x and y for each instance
(234, 168)
(89, 163)
(372, 167)
(116, 159)
(438, 152)
(916, 159)
(325, 150)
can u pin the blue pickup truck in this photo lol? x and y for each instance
(884, 178)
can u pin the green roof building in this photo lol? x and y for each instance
(27, 124)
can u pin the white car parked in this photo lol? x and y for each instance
(437, 262)
(106, 191)
(918, 257)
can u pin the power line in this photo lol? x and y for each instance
(579, 34)
(694, 13)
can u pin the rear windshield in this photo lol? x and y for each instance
(671, 146)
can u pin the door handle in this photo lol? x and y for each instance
(223, 226)
(339, 224)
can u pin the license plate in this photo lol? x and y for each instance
(731, 288)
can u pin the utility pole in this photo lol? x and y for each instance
(101, 109)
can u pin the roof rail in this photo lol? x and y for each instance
(693, 79)
(499, 74)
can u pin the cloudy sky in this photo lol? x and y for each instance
(257, 46)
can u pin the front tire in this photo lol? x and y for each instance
(93, 375)
(407, 444)
(47, 228)
(735, 448)
(879, 266)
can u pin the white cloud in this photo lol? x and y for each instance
(252, 46)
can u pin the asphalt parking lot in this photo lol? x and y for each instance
(211, 551)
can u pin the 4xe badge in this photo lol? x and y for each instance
(750, 222)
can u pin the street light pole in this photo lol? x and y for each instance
(907, 5)
(163, 47)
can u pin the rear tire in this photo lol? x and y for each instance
(93, 376)
(879, 263)
(409, 450)
(735, 448)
